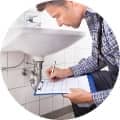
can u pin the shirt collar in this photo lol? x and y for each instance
(89, 12)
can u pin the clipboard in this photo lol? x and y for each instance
(48, 87)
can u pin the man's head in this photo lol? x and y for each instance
(65, 12)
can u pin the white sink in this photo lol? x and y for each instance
(39, 41)
(32, 39)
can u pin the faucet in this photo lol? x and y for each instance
(33, 19)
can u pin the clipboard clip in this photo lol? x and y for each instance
(40, 86)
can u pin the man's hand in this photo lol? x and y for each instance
(58, 73)
(78, 96)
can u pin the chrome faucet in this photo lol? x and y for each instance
(30, 19)
(33, 19)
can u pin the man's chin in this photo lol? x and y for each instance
(75, 27)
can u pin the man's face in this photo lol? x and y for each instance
(63, 15)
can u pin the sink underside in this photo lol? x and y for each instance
(40, 41)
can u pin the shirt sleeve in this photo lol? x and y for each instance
(85, 66)
(99, 97)
(111, 47)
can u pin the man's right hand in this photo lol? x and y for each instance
(58, 73)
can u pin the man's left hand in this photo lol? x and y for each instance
(78, 96)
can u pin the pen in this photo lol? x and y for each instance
(53, 67)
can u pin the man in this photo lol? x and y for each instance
(105, 51)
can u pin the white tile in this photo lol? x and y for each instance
(3, 59)
(61, 65)
(66, 102)
(58, 57)
(24, 95)
(27, 80)
(33, 107)
(5, 77)
(19, 95)
(28, 61)
(29, 93)
(81, 53)
(46, 105)
(45, 96)
(48, 60)
(15, 58)
(15, 78)
(58, 102)
(67, 65)
(85, 42)
(69, 55)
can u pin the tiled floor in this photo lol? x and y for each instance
(61, 114)
(66, 116)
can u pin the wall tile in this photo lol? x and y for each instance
(15, 78)
(59, 57)
(61, 65)
(46, 105)
(3, 59)
(45, 96)
(69, 54)
(58, 102)
(33, 107)
(48, 60)
(14, 58)
(81, 53)
(29, 94)
(27, 80)
(28, 61)
(5, 77)
(66, 102)
(67, 65)
(19, 95)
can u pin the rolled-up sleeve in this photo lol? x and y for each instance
(85, 66)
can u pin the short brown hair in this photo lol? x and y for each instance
(41, 7)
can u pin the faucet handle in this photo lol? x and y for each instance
(32, 18)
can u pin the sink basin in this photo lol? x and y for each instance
(39, 41)
(30, 37)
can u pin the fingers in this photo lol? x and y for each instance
(51, 75)
(48, 71)
(75, 90)
(67, 95)
(57, 74)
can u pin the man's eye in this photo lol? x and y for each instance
(54, 16)
(57, 16)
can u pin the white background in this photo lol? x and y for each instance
(10, 10)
